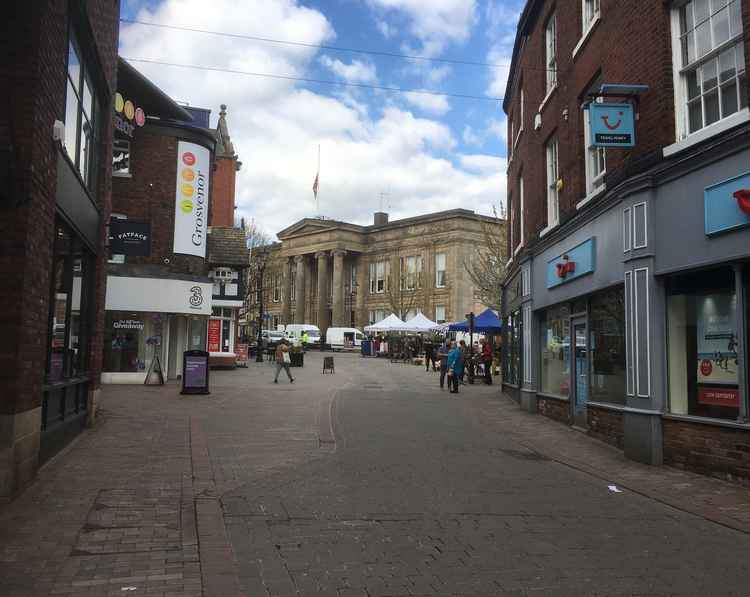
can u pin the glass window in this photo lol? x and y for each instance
(607, 346)
(596, 159)
(131, 340)
(80, 116)
(440, 263)
(440, 313)
(555, 343)
(711, 62)
(514, 349)
(591, 11)
(120, 157)
(702, 345)
(553, 206)
(550, 36)
(378, 273)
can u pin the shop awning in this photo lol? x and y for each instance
(158, 295)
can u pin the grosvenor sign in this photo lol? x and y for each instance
(191, 199)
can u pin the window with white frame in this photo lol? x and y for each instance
(710, 63)
(512, 212)
(224, 329)
(590, 12)
(376, 316)
(511, 139)
(520, 212)
(440, 262)
(276, 288)
(120, 157)
(411, 268)
(596, 159)
(117, 257)
(553, 200)
(550, 35)
(520, 117)
(377, 277)
(440, 313)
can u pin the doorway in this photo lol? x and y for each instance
(580, 371)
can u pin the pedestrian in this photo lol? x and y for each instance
(466, 357)
(305, 341)
(283, 360)
(455, 365)
(442, 354)
(428, 348)
(486, 357)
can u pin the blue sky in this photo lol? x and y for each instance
(425, 152)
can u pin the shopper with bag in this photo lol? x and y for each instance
(283, 360)
(455, 366)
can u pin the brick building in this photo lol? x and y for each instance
(365, 273)
(57, 72)
(627, 287)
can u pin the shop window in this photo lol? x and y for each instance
(221, 330)
(607, 346)
(702, 345)
(440, 263)
(555, 343)
(514, 349)
(81, 115)
(120, 157)
(132, 340)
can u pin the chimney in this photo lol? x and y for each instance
(381, 218)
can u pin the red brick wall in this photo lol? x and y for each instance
(606, 425)
(708, 449)
(222, 197)
(559, 410)
(33, 52)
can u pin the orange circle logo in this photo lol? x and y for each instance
(187, 190)
(129, 110)
(188, 174)
(188, 158)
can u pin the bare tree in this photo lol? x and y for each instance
(403, 291)
(486, 267)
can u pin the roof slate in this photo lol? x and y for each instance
(226, 246)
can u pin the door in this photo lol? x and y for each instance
(580, 372)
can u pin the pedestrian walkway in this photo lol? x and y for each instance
(319, 487)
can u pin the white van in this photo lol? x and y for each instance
(338, 338)
(294, 332)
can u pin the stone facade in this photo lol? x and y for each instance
(325, 257)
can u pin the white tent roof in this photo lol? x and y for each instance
(419, 323)
(389, 324)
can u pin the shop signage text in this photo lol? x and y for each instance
(612, 125)
(719, 396)
(128, 324)
(191, 199)
(214, 335)
(573, 264)
(727, 205)
(130, 238)
(127, 115)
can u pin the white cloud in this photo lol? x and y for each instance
(355, 72)
(483, 163)
(434, 104)
(498, 128)
(386, 29)
(436, 74)
(435, 23)
(276, 125)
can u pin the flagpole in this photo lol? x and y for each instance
(317, 196)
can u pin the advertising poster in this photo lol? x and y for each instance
(214, 335)
(191, 199)
(717, 350)
(196, 372)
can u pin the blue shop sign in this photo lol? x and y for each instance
(612, 125)
(573, 264)
(727, 205)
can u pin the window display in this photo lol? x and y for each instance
(514, 349)
(131, 340)
(555, 344)
(607, 346)
(702, 336)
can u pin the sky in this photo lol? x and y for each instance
(404, 153)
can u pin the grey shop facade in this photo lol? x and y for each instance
(631, 320)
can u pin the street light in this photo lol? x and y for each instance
(261, 257)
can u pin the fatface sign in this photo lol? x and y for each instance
(127, 115)
(612, 125)
(572, 264)
(191, 199)
(130, 238)
(727, 205)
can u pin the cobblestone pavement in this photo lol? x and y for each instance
(370, 482)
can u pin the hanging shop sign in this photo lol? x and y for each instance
(612, 125)
(127, 115)
(727, 205)
(127, 237)
(572, 264)
(214, 335)
(191, 199)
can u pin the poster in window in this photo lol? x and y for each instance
(717, 340)
(214, 335)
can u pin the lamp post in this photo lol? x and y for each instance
(261, 257)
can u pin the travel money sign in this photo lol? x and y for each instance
(612, 125)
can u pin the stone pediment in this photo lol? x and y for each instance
(310, 226)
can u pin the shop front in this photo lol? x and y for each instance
(149, 323)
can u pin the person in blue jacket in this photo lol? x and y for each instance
(455, 367)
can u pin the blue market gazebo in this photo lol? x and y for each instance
(486, 323)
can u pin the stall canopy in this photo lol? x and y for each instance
(419, 323)
(486, 322)
(389, 324)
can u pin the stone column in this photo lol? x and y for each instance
(286, 304)
(322, 258)
(299, 290)
(338, 288)
(361, 313)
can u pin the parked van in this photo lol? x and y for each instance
(338, 338)
(294, 332)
